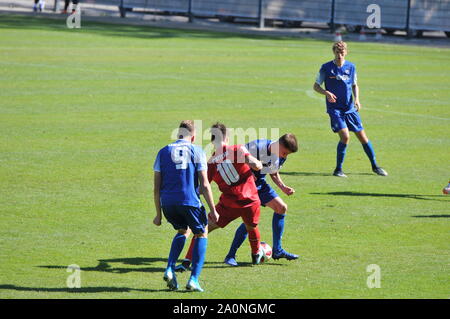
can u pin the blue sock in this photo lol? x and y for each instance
(175, 250)
(370, 153)
(239, 238)
(277, 230)
(341, 148)
(198, 256)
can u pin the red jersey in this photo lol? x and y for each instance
(233, 176)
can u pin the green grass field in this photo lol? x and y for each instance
(84, 112)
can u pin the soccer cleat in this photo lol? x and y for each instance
(284, 254)
(256, 258)
(379, 171)
(193, 285)
(171, 279)
(231, 261)
(184, 266)
(339, 173)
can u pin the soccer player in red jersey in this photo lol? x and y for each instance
(231, 168)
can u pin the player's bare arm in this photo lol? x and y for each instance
(330, 96)
(284, 188)
(156, 196)
(355, 89)
(205, 188)
(253, 162)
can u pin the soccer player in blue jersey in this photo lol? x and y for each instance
(342, 99)
(180, 169)
(272, 154)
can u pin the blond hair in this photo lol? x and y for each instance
(339, 46)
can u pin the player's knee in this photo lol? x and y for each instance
(282, 209)
(201, 235)
(345, 139)
(362, 137)
(212, 226)
(185, 232)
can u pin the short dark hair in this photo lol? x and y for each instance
(289, 141)
(218, 130)
(186, 128)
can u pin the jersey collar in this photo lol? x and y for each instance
(345, 61)
(182, 141)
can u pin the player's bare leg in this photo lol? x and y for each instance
(280, 210)
(344, 139)
(362, 137)
(367, 146)
(187, 233)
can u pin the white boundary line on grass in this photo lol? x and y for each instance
(310, 93)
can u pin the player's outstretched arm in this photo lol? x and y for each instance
(205, 188)
(253, 162)
(277, 180)
(156, 197)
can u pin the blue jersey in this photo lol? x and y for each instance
(179, 164)
(271, 162)
(339, 81)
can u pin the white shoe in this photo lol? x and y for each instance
(193, 285)
(171, 279)
(379, 171)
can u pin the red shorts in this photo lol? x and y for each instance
(250, 215)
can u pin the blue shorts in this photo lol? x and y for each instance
(182, 217)
(265, 191)
(340, 120)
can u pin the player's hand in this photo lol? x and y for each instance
(330, 97)
(157, 220)
(357, 105)
(213, 216)
(288, 190)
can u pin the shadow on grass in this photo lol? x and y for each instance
(410, 196)
(305, 174)
(104, 265)
(58, 23)
(432, 216)
(320, 174)
(80, 290)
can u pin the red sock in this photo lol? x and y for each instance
(191, 247)
(254, 238)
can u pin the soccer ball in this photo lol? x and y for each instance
(267, 252)
(446, 190)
